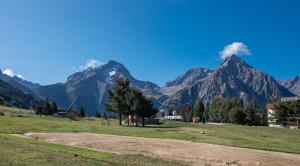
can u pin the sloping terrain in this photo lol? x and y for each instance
(234, 78)
(186, 80)
(92, 85)
(292, 84)
(16, 97)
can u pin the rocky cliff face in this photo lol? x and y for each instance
(233, 78)
(292, 84)
(188, 79)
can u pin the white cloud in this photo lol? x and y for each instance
(9, 72)
(91, 63)
(20, 76)
(236, 48)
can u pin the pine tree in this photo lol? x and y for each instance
(117, 98)
(53, 108)
(98, 114)
(148, 109)
(39, 110)
(46, 108)
(135, 99)
(264, 119)
(190, 116)
(237, 116)
(2, 101)
(82, 112)
(105, 115)
(198, 109)
(252, 111)
(225, 110)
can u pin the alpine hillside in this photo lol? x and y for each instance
(292, 84)
(15, 97)
(91, 87)
(234, 78)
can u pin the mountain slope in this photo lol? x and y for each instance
(92, 85)
(19, 83)
(16, 97)
(188, 79)
(293, 85)
(234, 78)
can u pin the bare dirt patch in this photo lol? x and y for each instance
(191, 153)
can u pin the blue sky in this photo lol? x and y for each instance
(157, 40)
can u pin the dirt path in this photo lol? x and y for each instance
(183, 151)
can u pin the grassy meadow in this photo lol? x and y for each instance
(18, 121)
(23, 151)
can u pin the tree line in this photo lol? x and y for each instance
(230, 110)
(286, 109)
(50, 108)
(128, 101)
(46, 108)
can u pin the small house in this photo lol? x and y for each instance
(61, 113)
(73, 115)
(182, 110)
(292, 122)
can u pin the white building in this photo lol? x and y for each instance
(286, 99)
(271, 110)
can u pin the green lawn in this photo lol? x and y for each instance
(9, 110)
(23, 151)
(266, 138)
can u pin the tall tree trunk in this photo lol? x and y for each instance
(136, 120)
(120, 118)
(143, 121)
(128, 120)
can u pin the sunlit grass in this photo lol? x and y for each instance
(265, 138)
(24, 151)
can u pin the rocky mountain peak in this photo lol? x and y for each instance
(234, 62)
(105, 73)
(186, 80)
(92, 85)
(292, 84)
(113, 62)
(234, 78)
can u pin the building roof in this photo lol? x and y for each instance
(183, 108)
(270, 106)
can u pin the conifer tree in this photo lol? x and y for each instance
(117, 98)
(198, 109)
(82, 112)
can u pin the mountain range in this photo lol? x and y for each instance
(15, 97)
(92, 85)
(292, 84)
(233, 78)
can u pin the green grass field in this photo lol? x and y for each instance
(265, 138)
(23, 151)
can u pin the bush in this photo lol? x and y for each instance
(98, 114)
(237, 116)
(2, 101)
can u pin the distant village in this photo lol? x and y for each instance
(275, 117)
